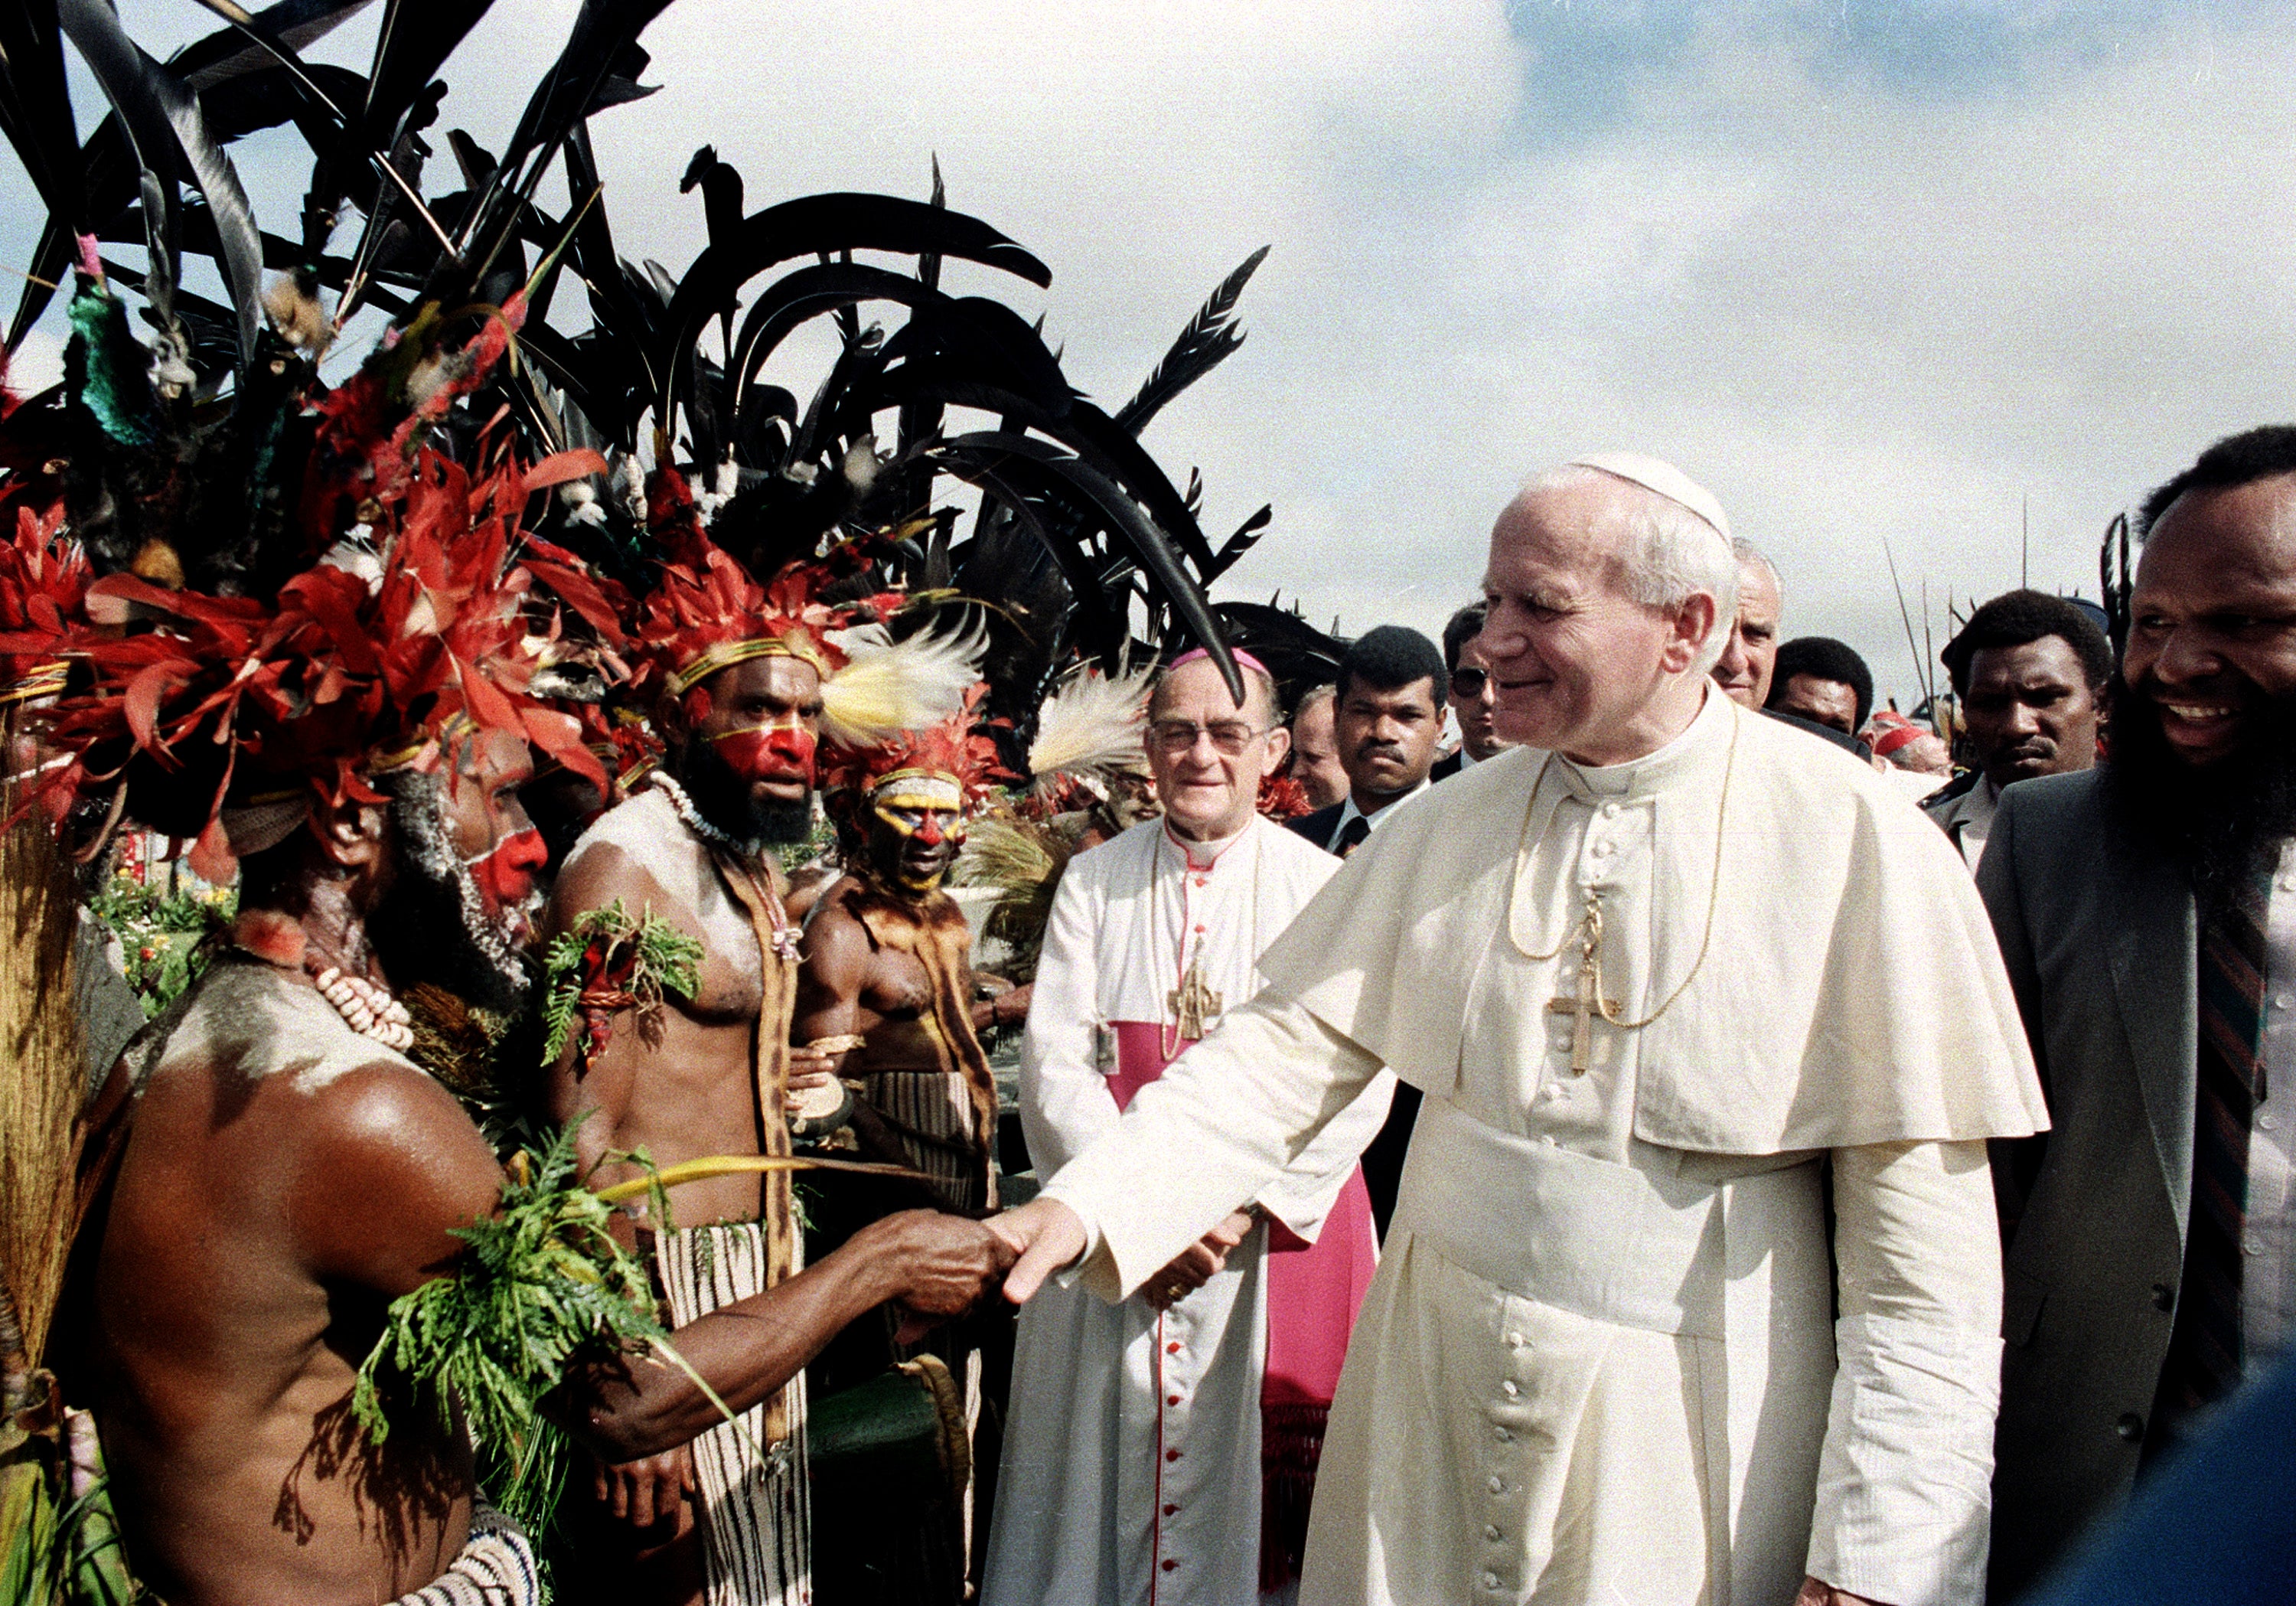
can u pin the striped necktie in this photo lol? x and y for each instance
(2204, 1351)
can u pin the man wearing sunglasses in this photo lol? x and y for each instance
(1474, 695)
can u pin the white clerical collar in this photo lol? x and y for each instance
(1348, 812)
(1654, 771)
(1203, 855)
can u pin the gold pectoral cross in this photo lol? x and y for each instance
(1587, 1001)
(1193, 1002)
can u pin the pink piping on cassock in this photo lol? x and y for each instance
(1314, 1292)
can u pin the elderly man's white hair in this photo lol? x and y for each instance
(1747, 553)
(1681, 541)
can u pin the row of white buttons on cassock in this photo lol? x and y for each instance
(1507, 1555)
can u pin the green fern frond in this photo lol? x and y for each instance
(541, 1288)
(607, 950)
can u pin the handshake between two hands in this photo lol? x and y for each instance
(950, 1263)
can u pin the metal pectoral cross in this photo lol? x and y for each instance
(1193, 1002)
(1587, 1001)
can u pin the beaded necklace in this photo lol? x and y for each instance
(784, 939)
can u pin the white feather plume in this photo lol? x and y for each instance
(889, 685)
(1093, 726)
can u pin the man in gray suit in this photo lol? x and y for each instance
(2147, 912)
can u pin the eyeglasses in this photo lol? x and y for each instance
(1469, 683)
(1229, 737)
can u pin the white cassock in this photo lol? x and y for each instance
(1132, 1464)
(1598, 1362)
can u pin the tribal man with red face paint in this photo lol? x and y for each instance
(745, 680)
(886, 988)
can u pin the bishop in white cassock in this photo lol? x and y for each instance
(1653, 972)
(1143, 1434)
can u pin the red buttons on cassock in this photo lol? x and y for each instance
(1170, 1564)
(1172, 1455)
(1171, 1399)
(1171, 1511)
(1172, 1349)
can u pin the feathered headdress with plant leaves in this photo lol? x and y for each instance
(416, 627)
(955, 752)
(709, 614)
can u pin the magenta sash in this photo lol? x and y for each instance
(1314, 1291)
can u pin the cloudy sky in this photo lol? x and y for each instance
(1872, 272)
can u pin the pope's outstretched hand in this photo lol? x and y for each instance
(1045, 1235)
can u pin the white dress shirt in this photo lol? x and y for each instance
(1348, 812)
(2268, 1286)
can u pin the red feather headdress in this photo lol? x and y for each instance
(368, 662)
(955, 752)
(709, 614)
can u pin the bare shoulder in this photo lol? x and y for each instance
(392, 1164)
(629, 854)
(807, 886)
(835, 940)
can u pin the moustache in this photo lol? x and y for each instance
(769, 753)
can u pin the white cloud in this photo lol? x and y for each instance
(1863, 291)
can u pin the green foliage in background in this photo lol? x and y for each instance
(161, 932)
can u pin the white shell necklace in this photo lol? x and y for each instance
(691, 816)
(366, 1009)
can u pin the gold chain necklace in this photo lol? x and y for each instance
(1588, 1001)
(1194, 1004)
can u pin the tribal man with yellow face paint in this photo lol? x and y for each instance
(886, 984)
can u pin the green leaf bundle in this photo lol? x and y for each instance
(542, 1289)
(609, 959)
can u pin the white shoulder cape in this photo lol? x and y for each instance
(1851, 991)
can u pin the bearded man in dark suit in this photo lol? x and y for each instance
(2147, 912)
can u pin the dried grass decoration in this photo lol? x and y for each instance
(59, 1543)
(610, 961)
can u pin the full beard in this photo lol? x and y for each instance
(433, 925)
(724, 799)
(2221, 823)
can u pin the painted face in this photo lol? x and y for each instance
(747, 757)
(487, 828)
(778, 751)
(916, 825)
(459, 905)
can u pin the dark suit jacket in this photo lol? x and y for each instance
(1317, 827)
(2099, 942)
(1444, 769)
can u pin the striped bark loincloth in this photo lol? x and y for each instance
(754, 1521)
(933, 1115)
(495, 1567)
